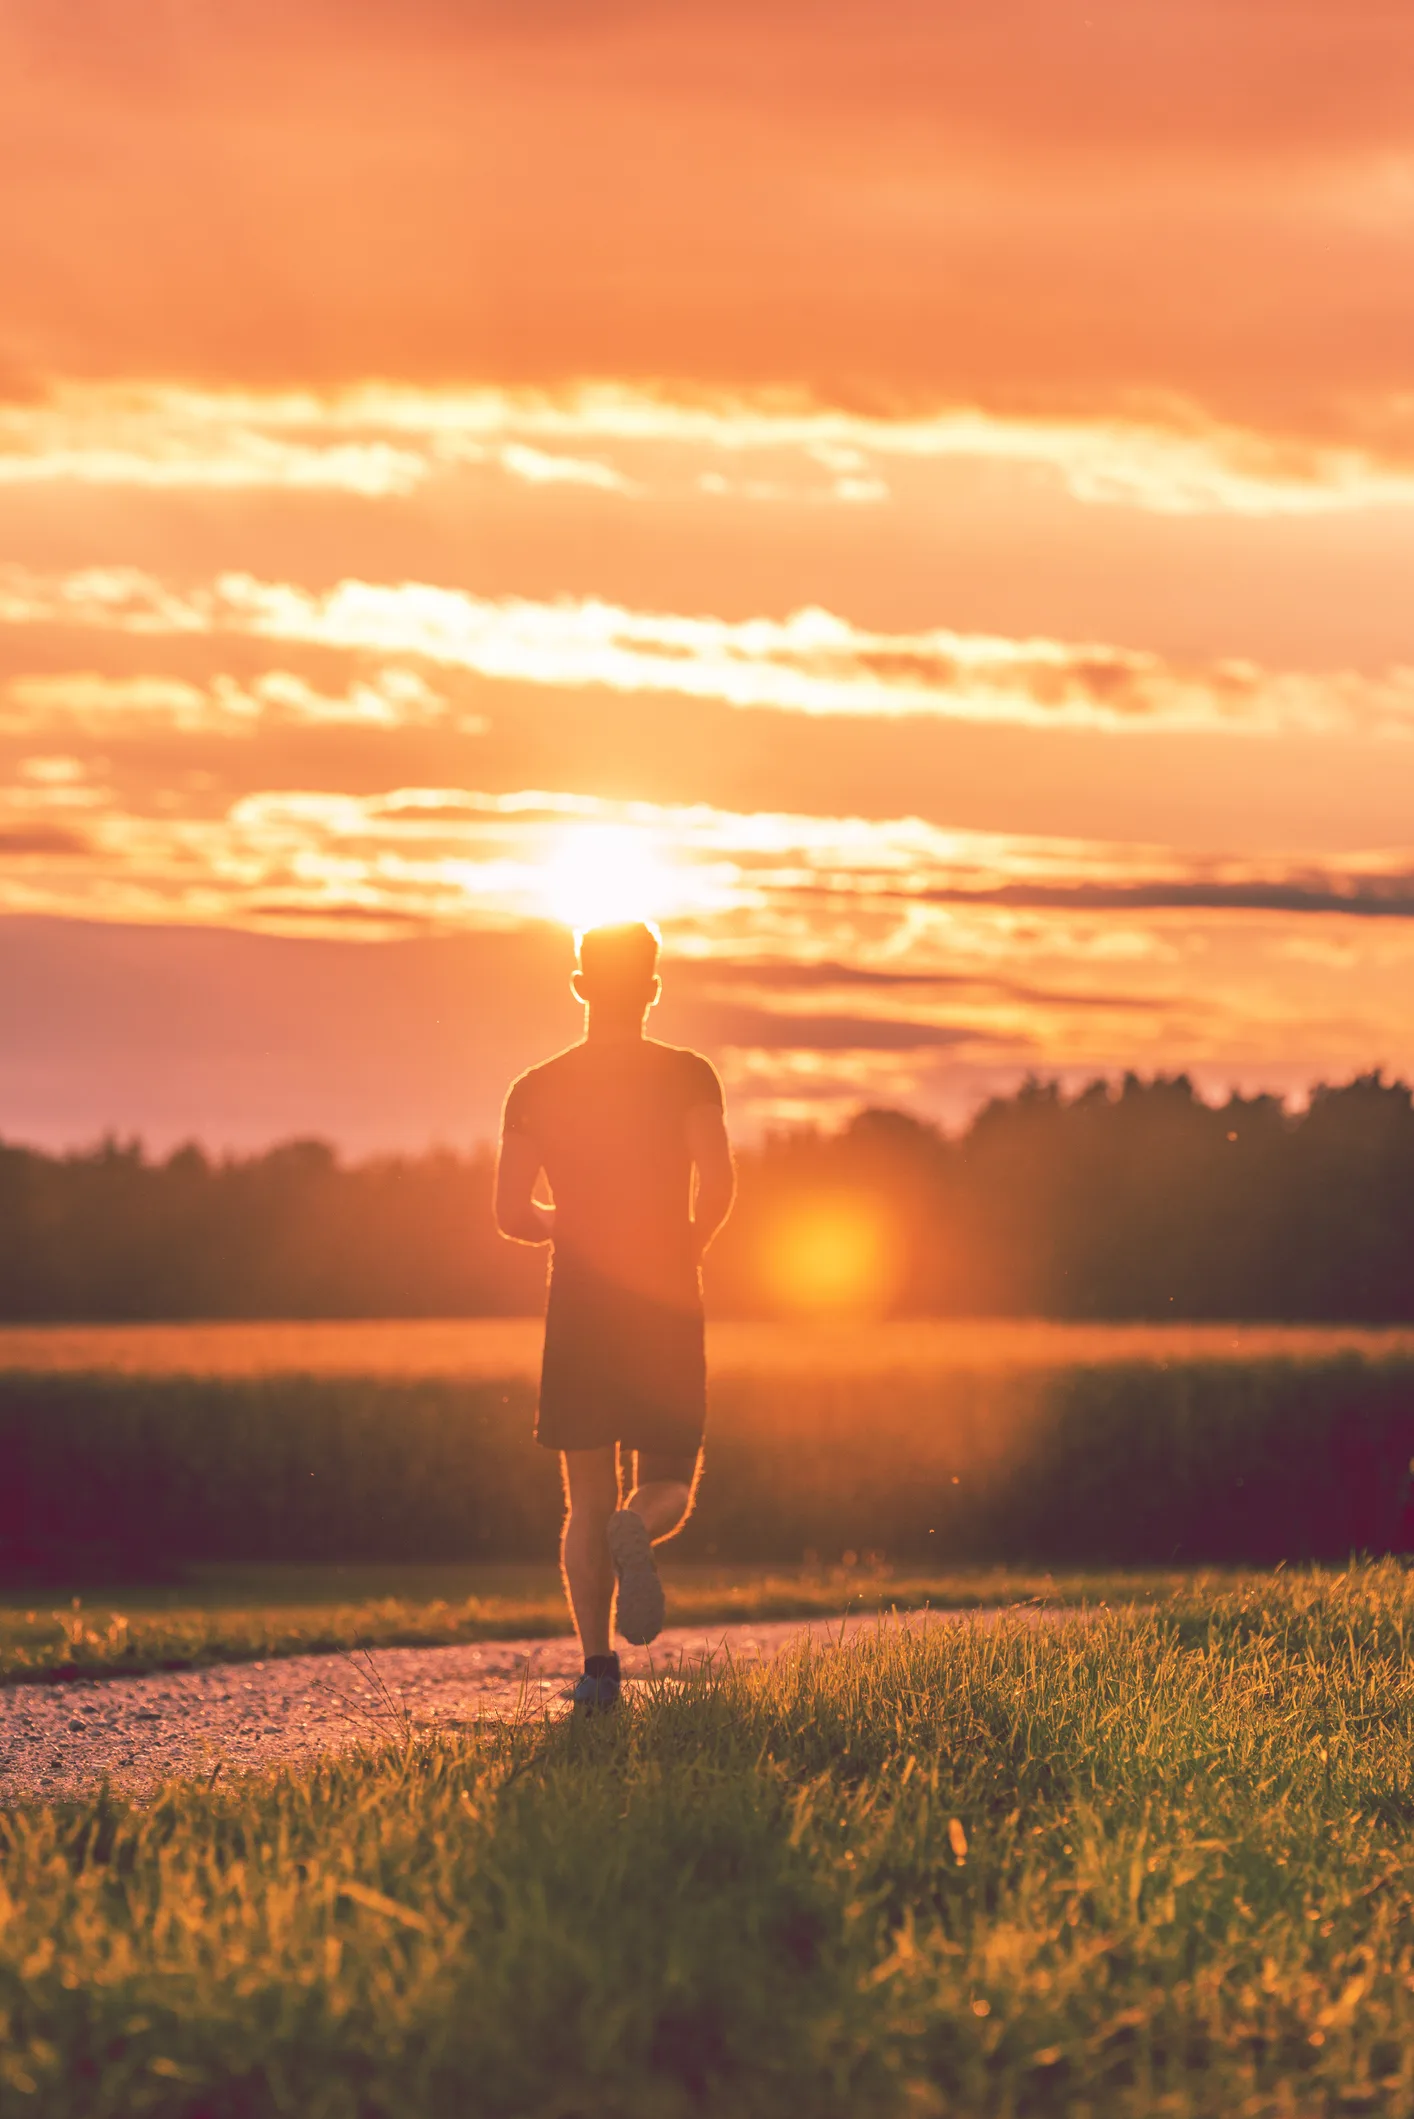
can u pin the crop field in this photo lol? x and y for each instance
(909, 1452)
(1138, 1862)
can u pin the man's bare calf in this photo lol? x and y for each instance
(661, 1495)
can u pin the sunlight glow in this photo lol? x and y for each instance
(600, 874)
(833, 1254)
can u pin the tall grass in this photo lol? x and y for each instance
(1141, 1863)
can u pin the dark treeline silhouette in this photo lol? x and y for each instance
(1140, 1201)
(290, 1233)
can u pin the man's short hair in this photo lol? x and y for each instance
(622, 959)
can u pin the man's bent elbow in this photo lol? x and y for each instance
(722, 1196)
(711, 1213)
(518, 1227)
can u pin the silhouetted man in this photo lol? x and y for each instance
(632, 1139)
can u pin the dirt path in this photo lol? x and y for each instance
(60, 1741)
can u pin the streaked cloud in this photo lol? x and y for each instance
(1177, 461)
(537, 467)
(95, 703)
(383, 442)
(458, 857)
(826, 959)
(812, 662)
(167, 440)
(101, 706)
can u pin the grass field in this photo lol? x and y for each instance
(1141, 1863)
(243, 1614)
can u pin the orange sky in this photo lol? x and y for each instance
(936, 483)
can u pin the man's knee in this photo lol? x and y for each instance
(675, 1506)
(668, 1468)
(664, 1491)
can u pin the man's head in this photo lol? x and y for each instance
(618, 970)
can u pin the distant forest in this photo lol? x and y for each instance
(1129, 1201)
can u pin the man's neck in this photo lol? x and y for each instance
(601, 1029)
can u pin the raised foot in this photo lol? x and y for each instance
(641, 1602)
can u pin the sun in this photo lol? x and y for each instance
(600, 874)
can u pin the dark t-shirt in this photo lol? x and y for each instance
(610, 1122)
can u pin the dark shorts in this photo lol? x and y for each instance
(620, 1367)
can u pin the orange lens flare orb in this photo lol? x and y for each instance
(833, 1254)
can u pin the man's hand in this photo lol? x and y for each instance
(518, 1214)
(716, 1179)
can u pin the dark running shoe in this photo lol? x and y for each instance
(597, 1691)
(641, 1605)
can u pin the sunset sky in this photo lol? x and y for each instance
(918, 496)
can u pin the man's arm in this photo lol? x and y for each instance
(517, 1213)
(716, 1179)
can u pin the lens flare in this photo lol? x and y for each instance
(601, 874)
(833, 1254)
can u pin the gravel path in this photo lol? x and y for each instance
(59, 1741)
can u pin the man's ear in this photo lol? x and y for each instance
(577, 986)
(655, 992)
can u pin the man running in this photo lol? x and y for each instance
(632, 1138)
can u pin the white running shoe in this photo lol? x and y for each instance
(641, 1602)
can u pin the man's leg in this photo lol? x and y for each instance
(658, 1506)
(591, 1495)
(664, 1489)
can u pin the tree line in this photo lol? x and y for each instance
(1129, 1200)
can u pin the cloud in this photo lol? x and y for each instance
(536, 467)
(53, 772)
(388, 698)
(168, 440)
(793, 990)
(826, 958)
(1359, 892)
(88, 700)
(162, 438)
(112, 707)
(805, 1087)
(1172, 458)
(938, 911)
(381, 442)
(768, 1030)
(812, 662)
